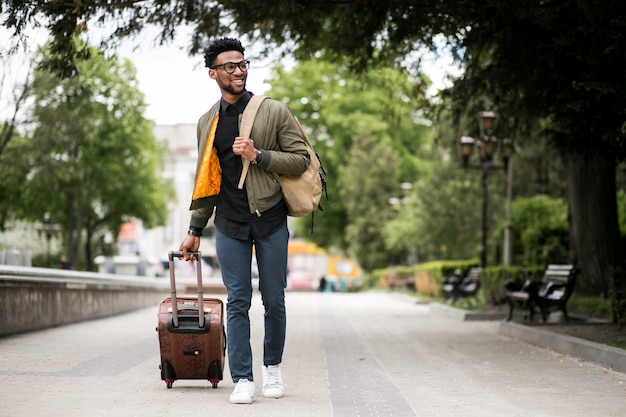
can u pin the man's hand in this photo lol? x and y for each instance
(189, 244)
(245, 148)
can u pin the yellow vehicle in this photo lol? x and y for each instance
(312, 269)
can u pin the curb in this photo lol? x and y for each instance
(608, 356)
(465, 315)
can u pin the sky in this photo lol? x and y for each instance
(177, 87)
(179, 90)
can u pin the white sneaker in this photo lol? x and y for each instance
(243, 392)
(273, 386)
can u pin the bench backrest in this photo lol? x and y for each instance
(561, 275)
(474, 273)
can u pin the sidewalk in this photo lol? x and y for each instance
(366, 354)
(608, 356)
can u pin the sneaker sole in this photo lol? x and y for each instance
(269, 395)
(242, 401)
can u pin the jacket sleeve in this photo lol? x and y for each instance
(200, 216)
(291, 155)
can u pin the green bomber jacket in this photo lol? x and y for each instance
(276, 133)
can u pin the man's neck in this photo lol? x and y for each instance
(232, 98)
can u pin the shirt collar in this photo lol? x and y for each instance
(239, 106)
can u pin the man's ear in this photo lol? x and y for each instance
(212, 74)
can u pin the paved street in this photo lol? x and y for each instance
(347, 355)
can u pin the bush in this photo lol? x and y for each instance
(426, 277)
(543, 230)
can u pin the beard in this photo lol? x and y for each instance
(229, 88)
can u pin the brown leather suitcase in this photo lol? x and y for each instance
(192, 344)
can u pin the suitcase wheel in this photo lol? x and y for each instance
(215, 373)
(167, 373)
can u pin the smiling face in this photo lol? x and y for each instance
(232, 85)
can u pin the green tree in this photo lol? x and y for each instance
(365, 194)
(542, 230)
(442, 217)
(14, 148)
(96, 162)
(333, 105)
(14, 169)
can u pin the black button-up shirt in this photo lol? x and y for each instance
(233, 217)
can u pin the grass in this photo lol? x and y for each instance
(596, 307)
(593, 307)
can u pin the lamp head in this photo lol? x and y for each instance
(466, 147)
(487, 122)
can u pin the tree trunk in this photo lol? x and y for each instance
(88, 250)
(74, 226)
(591, 188)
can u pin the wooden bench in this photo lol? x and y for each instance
(457, 286)
(554, 290)
(405, 283)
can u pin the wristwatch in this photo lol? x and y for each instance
(194, 231)
(259, 156)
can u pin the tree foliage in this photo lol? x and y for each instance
(14, 97)
(14, 168)
(94, 161)
(536, 59)
(345, 114)
(366, 197)
(542, 230)
(442, 216)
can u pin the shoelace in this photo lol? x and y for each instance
(272, 377)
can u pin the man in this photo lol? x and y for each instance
(252, 215)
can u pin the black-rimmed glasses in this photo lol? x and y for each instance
(230, 67)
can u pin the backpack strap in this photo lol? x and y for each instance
(247, 120)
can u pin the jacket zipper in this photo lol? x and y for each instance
(253, 198)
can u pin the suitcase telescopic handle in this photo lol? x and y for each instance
(179, 254)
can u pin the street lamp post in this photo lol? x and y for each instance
(486, 148)
(483, 240)
(395, 203)
(508, 246)
(49, 230)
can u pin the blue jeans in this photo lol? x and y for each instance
(235, 259)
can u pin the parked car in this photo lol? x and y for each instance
(300, 280)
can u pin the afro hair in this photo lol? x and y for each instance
(218, 46)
